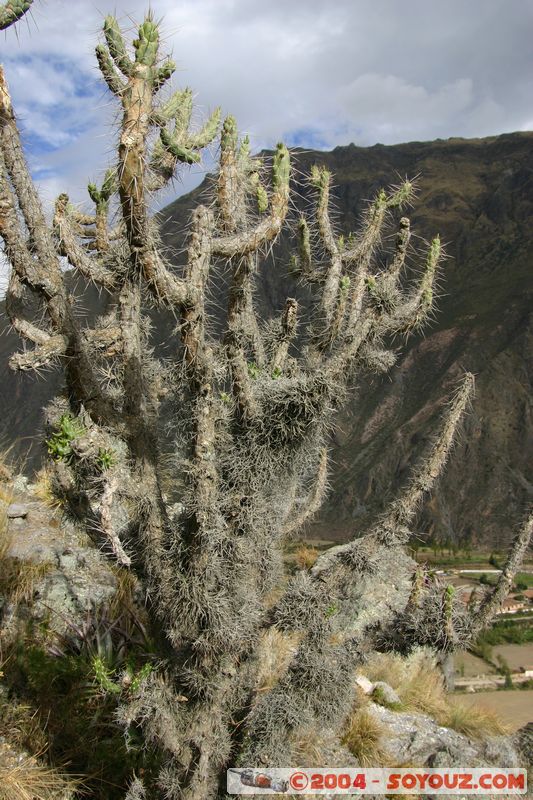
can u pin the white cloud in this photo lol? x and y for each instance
(310, 71)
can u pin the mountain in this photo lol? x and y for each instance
(478, 195)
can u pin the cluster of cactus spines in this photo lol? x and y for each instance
(251, 414)
(12, 11)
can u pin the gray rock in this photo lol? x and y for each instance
(418, 739)
(20, 483)
(523, 740)
(17, 511)
(385, 695)
(75, 577)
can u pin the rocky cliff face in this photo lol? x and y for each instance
(478, 195)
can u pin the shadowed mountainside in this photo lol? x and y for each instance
(478, 195)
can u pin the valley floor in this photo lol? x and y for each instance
(513, 707)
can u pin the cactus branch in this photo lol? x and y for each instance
(12, 11)
(313, 501)
(289, 321)
(491, 604)
(117, 46)
(68, 245)
(109, 73)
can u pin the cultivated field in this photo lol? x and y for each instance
(514, 707)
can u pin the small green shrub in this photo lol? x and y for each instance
(59, 445)
(105, 459)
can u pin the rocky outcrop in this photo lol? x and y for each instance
(61, 574)
(418, 739)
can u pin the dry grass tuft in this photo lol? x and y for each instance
(417, 680)
(6, 470)
(276, 651)
(305, 556)
(473, 721)
(363, 736)
(42, 488)
(20, 726)
(388, 667)
(420, 686)
(123, 600)
(18, 579)
(308, 748)
(26, 779)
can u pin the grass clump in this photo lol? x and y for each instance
(473, 721)
(416, 679)
(43, 490)
(305, 556)
(420, 687)
(364, 736)
(276, 652)
(19, 579)
(27, 779)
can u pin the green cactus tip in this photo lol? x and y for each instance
(281, 168)
(433, 255)
(228, 141)
(12, 11)
(147, 45)
(262, 198)
(320, 177)
(401, 196)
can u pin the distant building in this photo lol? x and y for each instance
(512, 606)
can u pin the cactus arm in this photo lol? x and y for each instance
(492, 602)
(321, 180)
(43, 273)
(180, 152)
(179, 109)
(391, 530)
(303, 261)
(414, 309)
(100, 198)
(288, 326)
(314, 500)
(23, 270)
(12, 11)
(208, 132)
(164, 73)
(41, 356)
(267, 229)
(90, 268)
(14, 303)
(109, 73)
(177, 145)
(402, 243)
(117, 46)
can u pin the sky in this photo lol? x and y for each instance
(313, 73)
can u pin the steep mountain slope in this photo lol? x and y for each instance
(478, 194)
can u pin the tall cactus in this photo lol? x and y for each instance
(251, 414)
